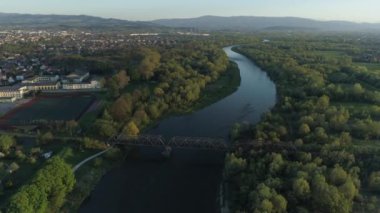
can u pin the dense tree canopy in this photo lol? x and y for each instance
(162, 81)
(47, 189)
(327, 108)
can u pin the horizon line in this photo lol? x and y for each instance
(232, 16)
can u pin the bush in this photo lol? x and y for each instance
(374, 181)
(45, 138)
(93, 144)
(6, 142)
(20, 155)
(32, 160)
(14, 167)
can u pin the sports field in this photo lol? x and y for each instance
(49, 108)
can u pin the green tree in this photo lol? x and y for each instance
(106, 116)
(20, 203)
(345, 138)
(374, 181)
(113, 88)
(358, 90)
(234, 164)
(154, 111)
(45, 138)
(46, 191)
(104, 128)
(338, 176)
(327, 198)
(89, 143)
(266, 206)
(320, 135)
(304, 129)
(159, 92)
(121, 79)
(149, 62)
(14, 166)
(323, 102)
(301, 188)
(121, 108)
(141, 117)
(6, 142)
(349, 189)
(117, 82)
(279, 203)
(71, 126)
(131, 129)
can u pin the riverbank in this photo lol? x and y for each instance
(88, 176)
(226, 85)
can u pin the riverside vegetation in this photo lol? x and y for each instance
(328, 109)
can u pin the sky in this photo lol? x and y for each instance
(144, 10)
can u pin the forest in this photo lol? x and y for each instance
(327, 117)
(157, 82)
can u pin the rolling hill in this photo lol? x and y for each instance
(13, 20)
(254, 23)
(209, 23)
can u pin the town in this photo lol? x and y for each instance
(25, 58)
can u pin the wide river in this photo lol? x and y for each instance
(188, 181)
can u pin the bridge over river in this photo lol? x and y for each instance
(199, 143)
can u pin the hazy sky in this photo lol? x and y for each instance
(353, 10)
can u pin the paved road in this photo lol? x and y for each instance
(76, 167)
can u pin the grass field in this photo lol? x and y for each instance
(54, 108)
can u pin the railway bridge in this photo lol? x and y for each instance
(199, 143)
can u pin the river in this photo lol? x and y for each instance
(189, 180)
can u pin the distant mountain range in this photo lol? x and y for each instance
(253, 23)
(13, 20)
(209, 23)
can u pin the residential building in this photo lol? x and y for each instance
(42, 78)
(76, 77)
(21, 76)
(12, 93)
(42, 86)
(78, 86)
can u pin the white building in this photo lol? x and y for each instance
(42, 86)
(12, 93)
(78, 86)
(76, 77)
(43, 78)
(11, 80)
